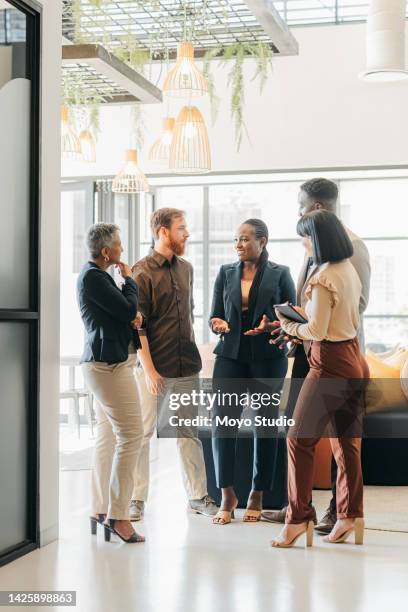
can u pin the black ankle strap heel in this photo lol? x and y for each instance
(95, 520)
(109, 528)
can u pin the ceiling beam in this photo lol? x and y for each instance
(273, 25)
(138, 87)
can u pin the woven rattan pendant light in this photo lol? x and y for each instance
(130, 179)
(88, 147)
(185, 79)
(160, 150)
(70, 145)
(190, 150)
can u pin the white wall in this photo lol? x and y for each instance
(50, 253)
(314, 112)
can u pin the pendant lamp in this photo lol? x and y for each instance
(385, 41)
(130, 179)
(190, 150)
(88, 147)
(70, 145)
(160, 151)
(185, 79)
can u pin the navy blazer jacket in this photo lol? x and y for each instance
(107, 312)
(276, 287)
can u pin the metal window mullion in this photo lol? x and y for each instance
(206, 261)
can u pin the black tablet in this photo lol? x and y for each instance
(288, 311)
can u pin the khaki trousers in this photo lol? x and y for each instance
(190, 449)
(119, 434)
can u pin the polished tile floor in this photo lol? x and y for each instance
(189, 565)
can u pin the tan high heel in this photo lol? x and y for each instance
(252, 516)
(224, 517)
(308, 531)
(358, 529)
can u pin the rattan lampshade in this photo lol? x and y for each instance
(185, 79)
(190, 149)
(130, 179)
(160, 150)
(88, 147)
(70, 145)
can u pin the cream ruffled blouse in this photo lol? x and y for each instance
(333, 297)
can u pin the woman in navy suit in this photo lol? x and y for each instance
(242, 313)
(109, 315)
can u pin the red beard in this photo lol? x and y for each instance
(178, 248)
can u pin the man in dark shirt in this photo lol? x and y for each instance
(169, 357)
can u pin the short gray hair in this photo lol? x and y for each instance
(99, 236)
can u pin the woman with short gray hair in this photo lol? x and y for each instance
(109, 316)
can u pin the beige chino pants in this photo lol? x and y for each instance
(190, 449)
(119, 434)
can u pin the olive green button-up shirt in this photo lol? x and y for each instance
(166, 303)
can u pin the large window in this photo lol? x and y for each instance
(375, 209)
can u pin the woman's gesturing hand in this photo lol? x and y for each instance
(219, 326)
(265, 326)
(124, 269)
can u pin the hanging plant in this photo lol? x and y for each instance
(212, 92)
(237, 53)
(137, 126)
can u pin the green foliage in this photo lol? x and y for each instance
(214, 99)
(137, 127)
(76, 11)
(262, 54)
(195, 19)
(94, 119)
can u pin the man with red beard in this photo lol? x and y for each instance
(169, 357)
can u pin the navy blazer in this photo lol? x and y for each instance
(107, 312)
(276, 287)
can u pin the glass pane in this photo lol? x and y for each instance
(13, 432)
(76, 217)
(375, 208)
(145, 212)
(199, 331)
(121, 218)
(145, 249)
(15, 159)
(230, 205)
(389, 286)
(194, 254)
(189, 199)
(384, 334)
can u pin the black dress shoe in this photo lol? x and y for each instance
(275, 516)
(327, 522)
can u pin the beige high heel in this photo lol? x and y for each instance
(252, 516)
(358, 529)
(223, 517)
(308, 531)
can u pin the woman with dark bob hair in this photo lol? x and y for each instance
(332, 314)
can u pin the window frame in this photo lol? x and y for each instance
(31, 315)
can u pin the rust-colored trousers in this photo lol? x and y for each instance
(331, 397)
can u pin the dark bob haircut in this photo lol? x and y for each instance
(329, 238)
